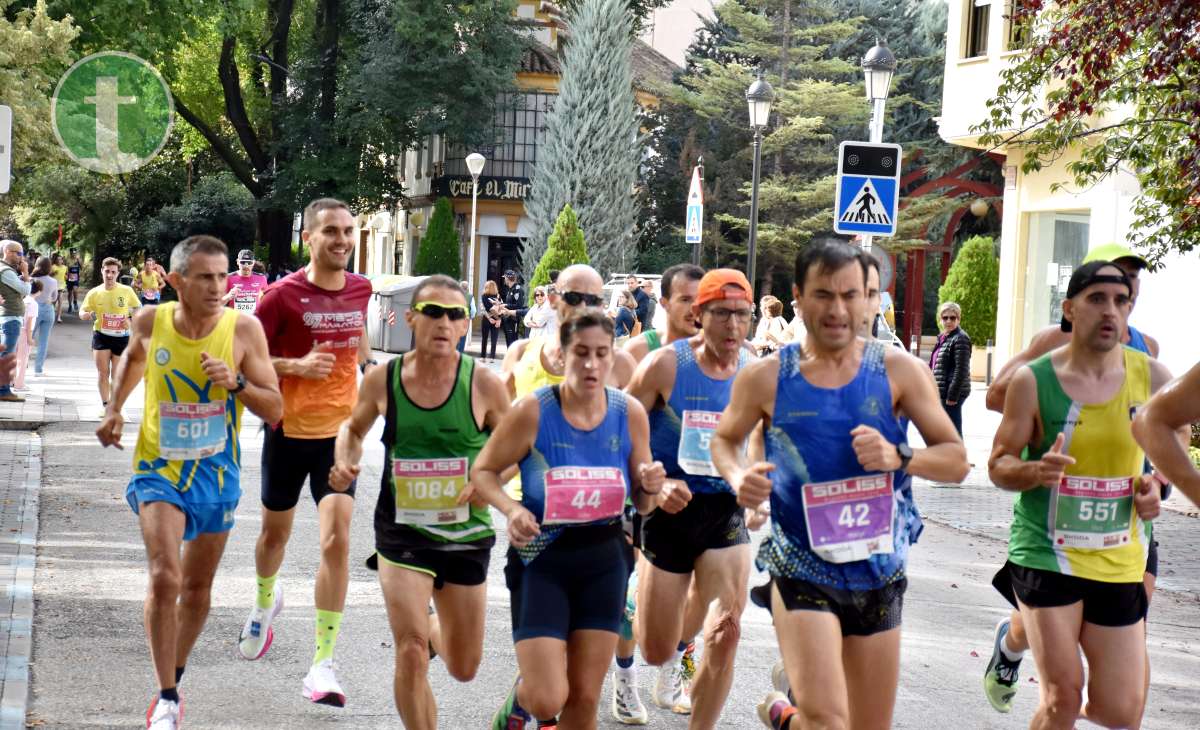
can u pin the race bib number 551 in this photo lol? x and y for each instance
(578, 494)
(850, 519)
(427, 491)
(1091, 512)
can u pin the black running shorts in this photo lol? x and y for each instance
(117, 345)
(1104, 604)
(861, 613)
(287, 462)
(466, 566)
(673, 542)
(576, 583)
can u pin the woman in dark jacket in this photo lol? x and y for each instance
(951, 363)
(492, 306)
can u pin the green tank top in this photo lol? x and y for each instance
(429, 452)
(652, 339)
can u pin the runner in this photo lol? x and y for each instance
(837, 559)
(1011, 640)
(58, 269)
(1079, 541)
(583, 449)
(74, 271)
(207, 364)
(245, 287)
(149, 284)
(314, 320)
(698, 528)
(1163, 429)
(111, 305)
(439, 409)
(679, 286)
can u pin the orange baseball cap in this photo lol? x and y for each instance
(713, 287)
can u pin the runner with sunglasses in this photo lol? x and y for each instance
(431, 540)
(583, 450)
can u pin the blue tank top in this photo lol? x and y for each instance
(688, 418)
(1138, 341)
(809, 443)
(570, 476)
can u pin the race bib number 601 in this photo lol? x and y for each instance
(188, 431)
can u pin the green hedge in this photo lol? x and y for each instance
(974, 283)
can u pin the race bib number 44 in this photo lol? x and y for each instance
(1090, 512)
(189, 431)
(695, 438)
(850, 519)
(113, 324)
(578, 494)
(427, 491)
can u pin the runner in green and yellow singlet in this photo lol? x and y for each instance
(1080, 530)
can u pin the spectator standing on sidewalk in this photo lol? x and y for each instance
(45, 313)
(515, 307)
(14, 287)
(491, 318)
(951, 363)
(28, 323)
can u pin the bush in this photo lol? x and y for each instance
(217, 206)
(439, 252)
(565, 247)
(974, 284)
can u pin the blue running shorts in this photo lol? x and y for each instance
(202, 517)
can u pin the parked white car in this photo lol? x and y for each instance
(616, 284)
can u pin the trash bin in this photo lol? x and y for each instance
(387, 332)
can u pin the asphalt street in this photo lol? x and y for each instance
(91, 668)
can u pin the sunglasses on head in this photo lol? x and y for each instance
(436, 311)
(575, 298)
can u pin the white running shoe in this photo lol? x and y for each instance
(671, 690)
(321, 686)
(764, 707)
(627, 707)
(257, 634)
(164, 714)
(779, 679)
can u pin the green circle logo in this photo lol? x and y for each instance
(112, 112)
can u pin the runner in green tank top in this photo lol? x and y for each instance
(1079, 536)
(432, 539)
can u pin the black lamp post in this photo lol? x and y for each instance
(758, 98)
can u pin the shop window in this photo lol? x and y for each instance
(976, 36)
(1057, 243)
(519, 127)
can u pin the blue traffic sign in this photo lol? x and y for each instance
(695, 216)
(868, 188)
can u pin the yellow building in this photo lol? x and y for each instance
(1045, 233)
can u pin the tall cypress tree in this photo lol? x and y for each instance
(592, 149)
(439, 249)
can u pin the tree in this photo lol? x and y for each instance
(37, 49)
(974, 284)
(592, 148)
(439, 249)
(217, 206)
(1117, 81)
(565, 248)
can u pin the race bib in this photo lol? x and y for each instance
(113, 324)
(850, 519)
(72, 276)
(695, 436)
(427, 491)
(245, 303)
(150, 296)
(190, 431)
(577, 494)
(1091, 512)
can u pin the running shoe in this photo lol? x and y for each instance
(769, 702)
(687, 662)
(508, 717)
(779, 679)
(1000, 677)
(257, 634)
(627, 707)
(671, 691)
(321, 686)
(164, 714)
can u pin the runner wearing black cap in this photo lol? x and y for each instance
(244, 289)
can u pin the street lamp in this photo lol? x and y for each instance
(475, 162)
(758, 98)
(878, 66)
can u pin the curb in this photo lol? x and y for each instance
(17, 593)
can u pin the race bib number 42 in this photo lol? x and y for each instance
(578, 494)
(850, 519)
(113, 324)
(695, 438)
(427, 491)
(1090, 512)
(189, 431)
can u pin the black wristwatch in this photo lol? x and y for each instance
(362, 367)
(906, 454)
(241, 384)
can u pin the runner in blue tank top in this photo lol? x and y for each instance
(583, 450)
(841, 509)
(698, 527)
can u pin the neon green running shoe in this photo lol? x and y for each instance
(1000, 677)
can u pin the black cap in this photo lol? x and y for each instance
(1088, 275)
(510, 274)
(245, 255)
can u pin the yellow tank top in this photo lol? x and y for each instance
(189, 432)
(529, 375)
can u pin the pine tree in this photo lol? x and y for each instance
(565, 248)
(439, 252)
(592, 149)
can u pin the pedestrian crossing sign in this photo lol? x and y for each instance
(868, 187)
(694, 214)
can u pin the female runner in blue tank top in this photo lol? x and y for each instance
(583, 450)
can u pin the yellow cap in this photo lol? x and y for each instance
(1112, 252)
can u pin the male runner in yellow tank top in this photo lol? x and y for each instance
(202, 363)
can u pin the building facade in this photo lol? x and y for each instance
(1045, 232)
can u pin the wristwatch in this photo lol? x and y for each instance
(241, 384)
(906, 454)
